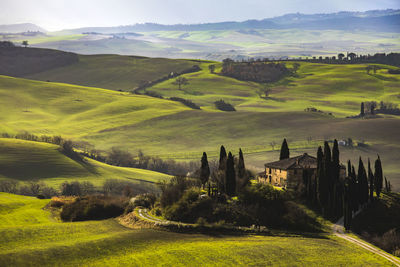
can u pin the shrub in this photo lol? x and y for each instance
(93, 208)
(144, 200)
(222, 105)
(186, 102)
(173, 190)
(8, 186)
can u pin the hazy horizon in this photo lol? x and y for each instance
(60, 14)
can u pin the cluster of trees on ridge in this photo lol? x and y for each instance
(341, 58)
(256, 71)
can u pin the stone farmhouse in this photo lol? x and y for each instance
(288, 173)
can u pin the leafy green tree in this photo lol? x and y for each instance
(378, 176)
(285, 153)
(180, 81)
(230, 177)
(25, 43)
(204, 169)
(340, 56)
(211, 68)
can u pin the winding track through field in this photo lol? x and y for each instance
(338, 230)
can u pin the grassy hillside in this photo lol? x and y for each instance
(30, 236)
(25, 160)
(104, 71)
(332, 88)
(168, 129)
(113, 71)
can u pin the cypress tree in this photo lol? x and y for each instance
(241, 167)
(371, 182)
(378, 176)
(362, 110)
(328, 179)
(204, 169)
(335, 160)
(363, 183)
(230, 177)
(285, 153)
(348, 168)
(355, 184)
(321, 181)
(222, 159)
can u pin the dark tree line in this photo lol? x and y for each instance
(337, 196)
(352, 58)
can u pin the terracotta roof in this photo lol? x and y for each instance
(299, 162)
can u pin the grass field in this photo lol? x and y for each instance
(26, 160)
(31, 237)
(168, 129)
(113, 71)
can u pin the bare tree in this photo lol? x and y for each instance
(180, 81)
(272, 144)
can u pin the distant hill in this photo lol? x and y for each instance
(22, 27)
(376, 20)
(95, 70)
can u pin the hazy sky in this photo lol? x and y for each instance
(62, 14)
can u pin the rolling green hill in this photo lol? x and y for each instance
(26, 160)
(104, 71)
(30, 236)
(168, 129)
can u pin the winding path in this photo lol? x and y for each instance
(338, 230)
(146, 216)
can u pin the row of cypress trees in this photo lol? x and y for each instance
(337, 197)
(228, 178)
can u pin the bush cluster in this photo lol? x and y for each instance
(186, 102)
(93, 208)
(224, 106)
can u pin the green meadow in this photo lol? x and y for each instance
(109, 118)
(113, 71)
(26, 161)
(31, 237)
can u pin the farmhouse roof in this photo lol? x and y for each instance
(300, 162)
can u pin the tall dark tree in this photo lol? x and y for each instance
(321, 180)
(241, 168)
(222, 159)
(329, 180)
(204, 169)
(337, 194)
(347, 203)
(371, 182)
(378, 176)
(285, 153)
(348, 168)
(355, 197)
(362, 111)
(230, 177)
(363, 183)
(335, 161)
